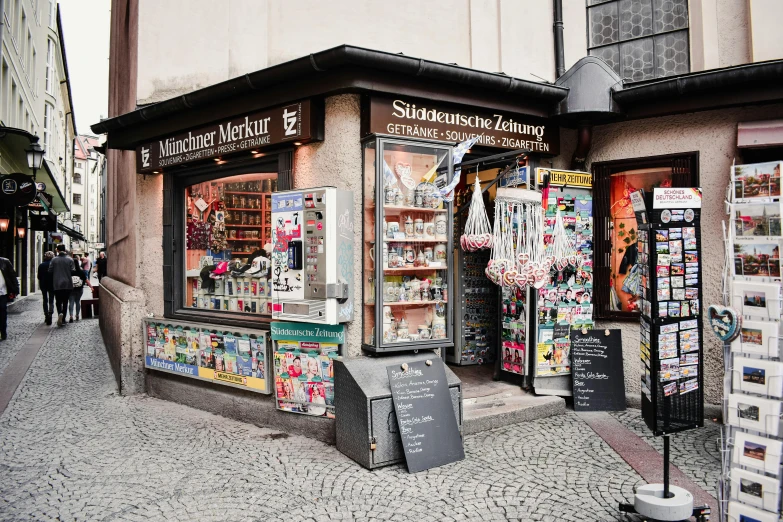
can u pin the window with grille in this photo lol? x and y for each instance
(640, 39)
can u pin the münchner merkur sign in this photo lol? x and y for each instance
(291, 123)
(412, 118)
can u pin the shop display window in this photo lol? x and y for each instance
(616, 228)
(407, 246)
(228, 243)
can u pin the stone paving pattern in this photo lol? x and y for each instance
(695, 452)
(72, 449)
(24, 317)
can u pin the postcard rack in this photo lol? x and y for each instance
(752, 437)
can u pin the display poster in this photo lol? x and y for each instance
(560, 178)
(425, 415)
(566, 301)
(304, 366)
(680, 197)
(235, 358)
(597, 364)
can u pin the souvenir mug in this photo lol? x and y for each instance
(429, 230)
(389, 332)
(440, 252)
(391, 291)
(392, 228)
(409, 228)
(389, 195)
(440, 225)
(388, 318)
(418, 228)
(392, 260)
(402, 330)
(410, 255)
(425, 332)
(428, 254)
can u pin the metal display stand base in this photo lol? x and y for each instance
(663, 501)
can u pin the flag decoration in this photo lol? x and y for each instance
(459, 152)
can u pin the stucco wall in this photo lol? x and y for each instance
(713, 135)
(337, 162)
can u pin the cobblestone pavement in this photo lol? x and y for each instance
(72, 449)
(695, 452)
(24, 316)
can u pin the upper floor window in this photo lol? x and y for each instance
(77, 200)
(640, 39)
(50, 79)
(47, 137)
(77, 178)
(52, 13)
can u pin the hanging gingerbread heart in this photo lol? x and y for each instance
(540, 278)
(523, 258)
(725, 322)
(403, 170)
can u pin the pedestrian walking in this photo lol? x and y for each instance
(45, 284)
(62, 268)
(100, 266)
(79, 279)
(86, 265)
(9, 287)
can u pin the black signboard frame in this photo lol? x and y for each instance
(422, 402)
(665, 412)
(597, 370)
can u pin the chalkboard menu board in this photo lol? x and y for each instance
(597, 369)
(425, 416)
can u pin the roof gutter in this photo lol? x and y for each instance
(65, 63)
(723, 80)
(344, 56)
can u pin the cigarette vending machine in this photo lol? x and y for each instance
(312, 255)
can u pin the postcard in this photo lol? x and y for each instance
(664, 260)
(662, 271)
(689, 358)
(740, 513)
(691, 257)
(669, 351)
(676, 257)
(757, 220)
(692, 279)
(675, 233)
(668, 375)
(678, 282)
(662, 247)
(670, 364)
(691, 268)
(758, 376)
(678, 294)
(689, 385)
(663, 282)
(674, 309)
(661, 235)
(687, 325)
(689, 370)
(695, 307)
(755, 413)
(757, 338)
(755, 489)
(663, 294)
(678, 269)
(690, 243)
(756, 181)
(691, 293)
(663, 308)
(688, 232)
(757, 259)
(675, 246)
(670, 389)
(757, 299)
(668, 328)
(668, 337)
(757, 452)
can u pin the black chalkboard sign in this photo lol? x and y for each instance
(425, 416)
(597, 370)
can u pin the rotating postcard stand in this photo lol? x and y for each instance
(669, 243)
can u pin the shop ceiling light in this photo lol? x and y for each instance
(297, 143)
(4, 222)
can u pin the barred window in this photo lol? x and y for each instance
(640, 39)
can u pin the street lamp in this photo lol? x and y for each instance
(20, 231)
(35, 156)
(4, 222)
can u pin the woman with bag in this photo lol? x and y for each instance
(75, 299)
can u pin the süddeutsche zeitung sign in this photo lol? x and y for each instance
(412, 118)
(250, 132)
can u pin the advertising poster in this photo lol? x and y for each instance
(236, 359)
(303, 366)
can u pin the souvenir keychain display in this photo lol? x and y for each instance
(477, 234)
(565, 300)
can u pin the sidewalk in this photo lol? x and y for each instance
(72, 449)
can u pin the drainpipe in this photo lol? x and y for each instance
(2, 20)
(583, 143)
(557, 27)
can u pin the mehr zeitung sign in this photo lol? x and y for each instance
(422, 119)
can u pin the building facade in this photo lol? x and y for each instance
(35, 107)
(85, 201)
(645, 97)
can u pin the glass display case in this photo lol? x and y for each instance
(407, 247)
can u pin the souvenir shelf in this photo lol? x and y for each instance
(752, 470)
(408, 245)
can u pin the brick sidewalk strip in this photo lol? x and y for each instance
(17, 368)
(642, 457)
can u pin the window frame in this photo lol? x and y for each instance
(685, 173)
(590, 47)
(174, 185)
(76, 196)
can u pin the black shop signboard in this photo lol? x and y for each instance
(425, 416)
(597, 370)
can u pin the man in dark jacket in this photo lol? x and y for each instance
(100, 266)
(62, 269)
(45, 284)
(9, 288)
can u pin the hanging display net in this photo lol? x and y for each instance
(478, 232)
(561, 252)
(517, 240)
